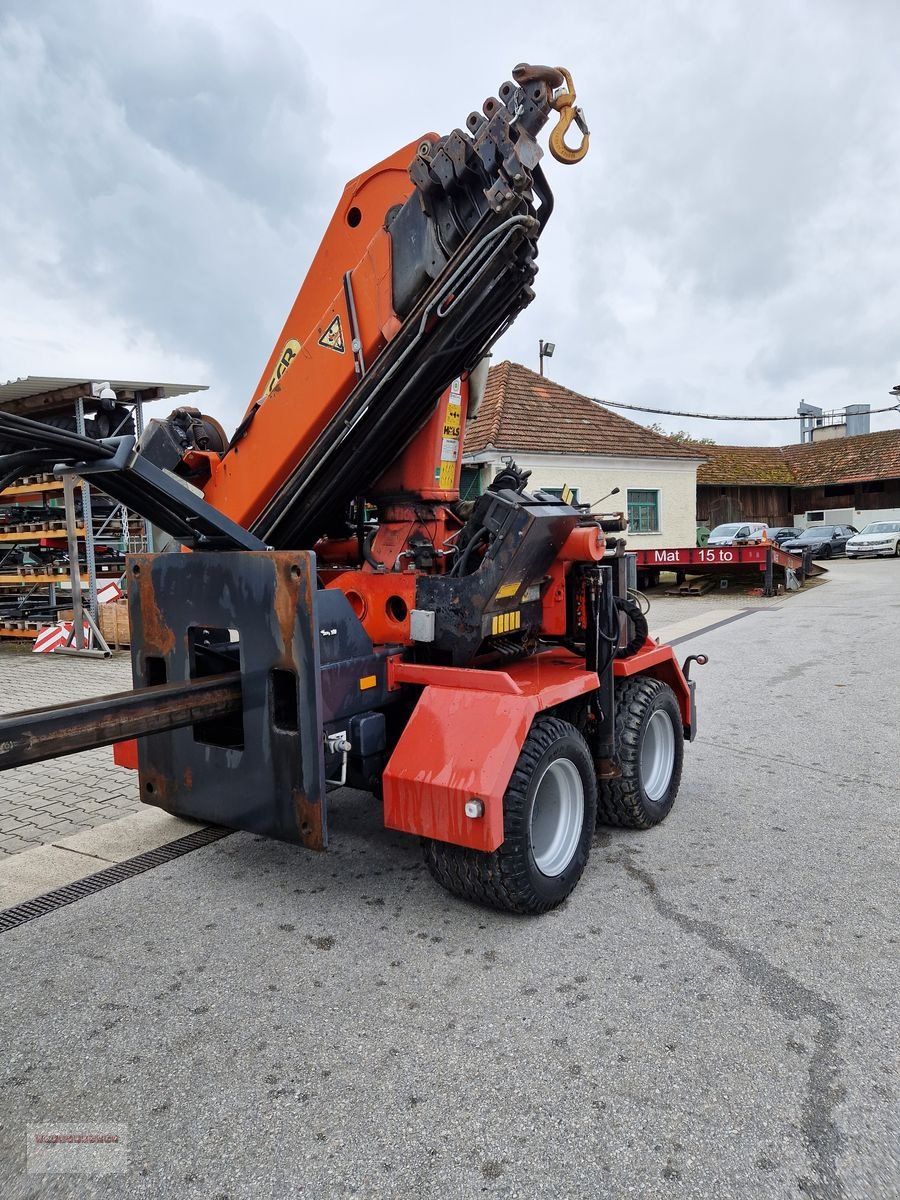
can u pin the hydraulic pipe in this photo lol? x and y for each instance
(42, 733)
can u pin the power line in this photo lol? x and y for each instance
(671, 412)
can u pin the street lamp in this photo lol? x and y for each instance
(545, 350)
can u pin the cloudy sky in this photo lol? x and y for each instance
(730, 244)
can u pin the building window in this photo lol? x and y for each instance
(643, 511)
(470, 483)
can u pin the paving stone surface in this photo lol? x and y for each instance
(53, 799)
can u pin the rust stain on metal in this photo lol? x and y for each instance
(292, 592)
(156, 635)
(156, 789)
(608, 769)
(309, 821)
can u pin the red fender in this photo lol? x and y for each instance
(463, 739)
(660, 662)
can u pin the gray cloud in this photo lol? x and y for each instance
(731, 243)
(168, 169)
(746, 246)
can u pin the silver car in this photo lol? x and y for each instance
(879, 539)
(738, 531)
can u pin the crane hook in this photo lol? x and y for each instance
(568, 111)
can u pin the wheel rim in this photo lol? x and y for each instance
(557, 817)
(657, 755)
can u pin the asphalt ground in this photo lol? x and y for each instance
(712, 1013)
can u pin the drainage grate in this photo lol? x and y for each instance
(29, 910)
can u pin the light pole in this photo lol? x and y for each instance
(545, 350)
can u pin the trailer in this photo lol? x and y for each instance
(768, 561)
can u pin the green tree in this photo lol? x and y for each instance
(682, 436)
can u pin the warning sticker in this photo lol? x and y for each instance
(453, 421)
(450, 442)
(333, 337)
(456, 387)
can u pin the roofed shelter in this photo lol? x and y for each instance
(51, 395)
(781, 484)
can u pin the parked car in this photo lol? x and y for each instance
(781, 533)
(823, 540)
(738, 531)
(879, 538)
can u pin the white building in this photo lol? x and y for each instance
(564, 438)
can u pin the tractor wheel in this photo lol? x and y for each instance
(549, 814)
(650, 745)
(57, 422)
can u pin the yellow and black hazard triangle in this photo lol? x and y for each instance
(333, 337)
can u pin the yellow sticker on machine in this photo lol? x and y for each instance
(289, 352)
(453, 419)
(450, 443)
(506, 623)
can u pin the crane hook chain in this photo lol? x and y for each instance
(568, 111)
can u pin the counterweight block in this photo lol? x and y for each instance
(260, 769)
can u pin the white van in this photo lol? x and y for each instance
(745, 532)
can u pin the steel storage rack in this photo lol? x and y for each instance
(35, 566)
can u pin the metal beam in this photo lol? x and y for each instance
(43, 733)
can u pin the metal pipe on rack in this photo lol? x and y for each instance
(87, 516)
(74, 564)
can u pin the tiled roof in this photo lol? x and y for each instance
(744, 464)
(846, 460)
(813, 464)
(523, 411)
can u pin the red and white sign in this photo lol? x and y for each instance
(694, 556)
(691, 555)
(54, 636)
(109, 592)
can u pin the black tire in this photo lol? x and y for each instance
(624, 801)
(826, 552)
(897, 550)
(509, 878)
(114, 421)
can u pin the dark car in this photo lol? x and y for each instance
(823, 540)
(781, 533)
